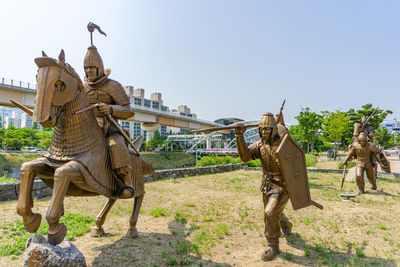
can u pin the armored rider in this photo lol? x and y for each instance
(363, 126)
(275, 196)
(112, 100)
(363, 150)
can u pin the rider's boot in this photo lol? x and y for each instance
(124, 173)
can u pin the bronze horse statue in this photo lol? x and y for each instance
(77, 162)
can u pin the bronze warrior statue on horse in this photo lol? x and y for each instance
(78, 161)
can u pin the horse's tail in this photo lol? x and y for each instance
(139, 168)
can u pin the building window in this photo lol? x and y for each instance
(163, 108)
(163, 131)
(147, 103)
(156, 105)
(138, 101)
(125, 125)
(136, 130)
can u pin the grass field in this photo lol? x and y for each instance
(217, 220)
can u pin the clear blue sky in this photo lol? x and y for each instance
(221, 58)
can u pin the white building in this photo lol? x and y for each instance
(26, 121)
(137, 98)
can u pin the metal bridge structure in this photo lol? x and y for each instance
(214, 143)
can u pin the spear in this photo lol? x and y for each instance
(229, 127)
(24, 108)
(344, 175)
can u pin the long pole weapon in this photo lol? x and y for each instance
(344, 175)
(229, 127)
(24, 108)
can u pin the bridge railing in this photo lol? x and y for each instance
(158, 111)
(16, 83)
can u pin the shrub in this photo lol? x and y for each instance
(254, 163)
(311, 160)
(350, 164)
(5, 179)
(157, 212)
(217, 160)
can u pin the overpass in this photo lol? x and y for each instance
(150, 118)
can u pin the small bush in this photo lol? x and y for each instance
(254, 163)
(311, 160)
(382, 226)
(350, 164)
(157, 212)
(217, 160)
(5, 179)
(181, 217)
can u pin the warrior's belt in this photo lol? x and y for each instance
(275, 182)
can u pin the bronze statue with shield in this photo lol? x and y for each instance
(78, 162)
(284, 177)
(284, 174)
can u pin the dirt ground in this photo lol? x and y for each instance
(217, 220)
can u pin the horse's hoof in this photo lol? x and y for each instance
(33, 224)
(97, 232)
(132, 233)
(58, 237)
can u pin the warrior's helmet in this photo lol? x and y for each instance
(364, 119)
(362, 136)
(93, 58)
(268, 121)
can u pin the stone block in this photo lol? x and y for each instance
(8, 194)
(40, 253)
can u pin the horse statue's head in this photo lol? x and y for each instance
(58, 84)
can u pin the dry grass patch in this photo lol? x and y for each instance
(325, 164)
(217, 220)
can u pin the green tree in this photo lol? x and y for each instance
(156, 140)
(16, 138)
(309, 127)
(2, 132)
(44, 138)
(335, 126)
(294, 131)
(383, 137)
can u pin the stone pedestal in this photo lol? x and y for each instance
(40, 253)
(351, 175)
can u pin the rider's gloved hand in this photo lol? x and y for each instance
(105, 109)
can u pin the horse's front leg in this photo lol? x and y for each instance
(132, 231)
(101, 218)
(62, 177)
(25, 202)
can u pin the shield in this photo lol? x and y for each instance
(385, 163)
(294, 171)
